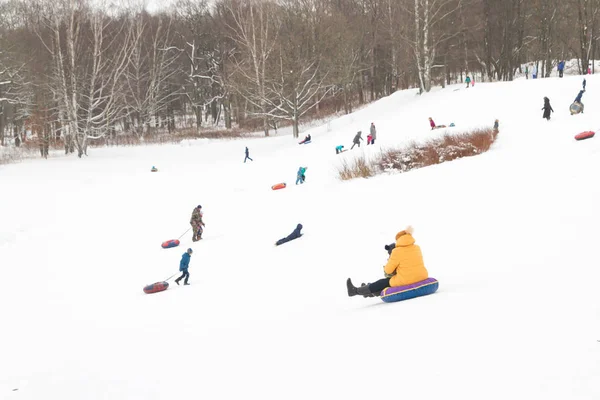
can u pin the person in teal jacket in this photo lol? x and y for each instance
(301, 177)
(184, 264)
(339, 149)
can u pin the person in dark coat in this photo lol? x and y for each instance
(583, 84)
(547, 108)
(247, 155)
(578, 98)
(184, 264)
(294, 235)
(356, 140)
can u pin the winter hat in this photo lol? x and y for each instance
(199, 206)
(408, 231)
(190, 251)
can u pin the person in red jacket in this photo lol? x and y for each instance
(431, 123)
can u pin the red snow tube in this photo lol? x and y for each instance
(585, 135)
(156, 287)
(170, 243)
(278, 186)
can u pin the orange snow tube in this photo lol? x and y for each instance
(278, 186)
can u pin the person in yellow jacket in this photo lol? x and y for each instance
(405, 266)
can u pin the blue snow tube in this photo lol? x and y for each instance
(417, 289)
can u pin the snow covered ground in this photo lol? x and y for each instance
(512, 236)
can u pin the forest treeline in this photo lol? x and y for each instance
(72, 71)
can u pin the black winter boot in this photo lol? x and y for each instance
(365, 291)
(367, 295)
(352, 291)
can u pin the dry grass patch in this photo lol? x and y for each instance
(419, 155)
(359, 167)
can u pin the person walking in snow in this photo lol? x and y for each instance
(533, 72)
(294, 235)
(300, 176)
(547, 108)
(560, 68)
(526, 71)
(197, 223)
(247, 155)
(373, 133)
(357, 139)
(184, 264)
(584, 84)
(405, 266)
(496, 126)
(468, 81)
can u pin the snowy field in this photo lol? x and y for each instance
(512, 236)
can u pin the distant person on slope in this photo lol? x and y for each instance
(405, 266)
(584, 84)
(197, 223)
(431, 123)
(577, 106)
(547, 108)
(357, 139)
(306, 139)
(496, 126)
(468, 81)
(560, 68)
(294, 235)
(339, 149)
(247, 155)
(373, 133)
(184, 264)
(300, 176)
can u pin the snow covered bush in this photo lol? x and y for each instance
(437, 151)
(418, 155)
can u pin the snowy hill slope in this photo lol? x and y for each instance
(510, 235)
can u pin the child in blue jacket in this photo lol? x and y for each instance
(300, 177)
(184, 264)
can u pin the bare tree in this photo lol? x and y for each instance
(150, 68)
(587, 15)
(254, 29)
(207, 52)
(90, 53)
(431, 31)
(293, 95)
